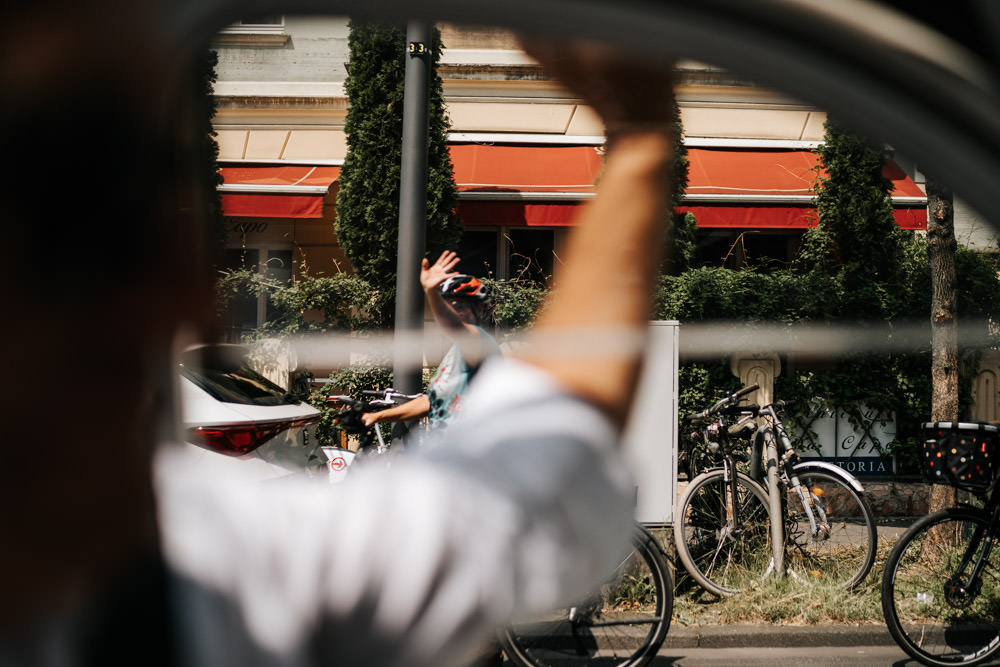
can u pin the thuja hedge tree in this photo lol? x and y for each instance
(204, 74)
(368, 202)
(680, 253)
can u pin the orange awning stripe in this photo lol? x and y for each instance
(517, 213)
(769, 172)
(784, 217)
(506, 168)
(272, 206)
(543, 185)
(507, 185)
(292, 191)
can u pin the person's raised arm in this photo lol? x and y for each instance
(459, 329)
(605, 285)
(414, 409)
(431, 278)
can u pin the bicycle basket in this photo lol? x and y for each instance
(961, 454)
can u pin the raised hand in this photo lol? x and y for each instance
(432, 275)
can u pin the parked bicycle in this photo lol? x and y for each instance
(624, 623)
(724, 533)
(829, 528)
(941, 583)
(371, 440)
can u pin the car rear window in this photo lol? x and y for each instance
(227, 378)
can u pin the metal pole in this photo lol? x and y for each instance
(408, 358)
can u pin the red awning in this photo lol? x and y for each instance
(785, 217)
(514, 185)
(517, 213)
(773, 189)
(729, 172)
(293, 191)
(522, 169)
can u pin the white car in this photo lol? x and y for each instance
(229, 409)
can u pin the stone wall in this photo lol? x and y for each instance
(897, 499)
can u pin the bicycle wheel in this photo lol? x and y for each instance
(930, 615)
(840, 547)
(623, 624)
(724, 553)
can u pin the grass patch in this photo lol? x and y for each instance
(784, 602)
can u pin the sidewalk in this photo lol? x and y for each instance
(756, 636)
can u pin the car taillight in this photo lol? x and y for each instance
(235, 440)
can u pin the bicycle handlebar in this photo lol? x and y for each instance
(349, 417)
(388, 394)
(749, 389)
(731, 399)
(749, 409)
(779, 406)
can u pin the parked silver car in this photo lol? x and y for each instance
(232, 410)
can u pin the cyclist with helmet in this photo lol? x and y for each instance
(458, 303)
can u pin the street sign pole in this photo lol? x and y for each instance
(408, 357)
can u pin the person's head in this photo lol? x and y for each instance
(103, 273)
(467, 296)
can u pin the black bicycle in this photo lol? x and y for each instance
(622, 624)
(829, 532)
(722, 524)
(748, 515)
(941, 583)
(371, 440)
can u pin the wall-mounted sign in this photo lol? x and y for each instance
(856, 438)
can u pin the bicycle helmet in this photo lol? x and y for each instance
(465, 286)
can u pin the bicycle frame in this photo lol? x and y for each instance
(729, 506)
(992, 507)
(730, 511)
(780, 458)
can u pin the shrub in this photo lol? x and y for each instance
(340, 302)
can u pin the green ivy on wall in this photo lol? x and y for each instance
(308, 303)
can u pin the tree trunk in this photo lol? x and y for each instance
(944, 324)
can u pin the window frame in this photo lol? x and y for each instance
(264, 252)
(253, 34)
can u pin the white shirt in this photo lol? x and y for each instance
(522, 505)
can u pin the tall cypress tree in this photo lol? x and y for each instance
(857, 239)
(368, 202)
(208, 76)
(857, 232)
(680, 255)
